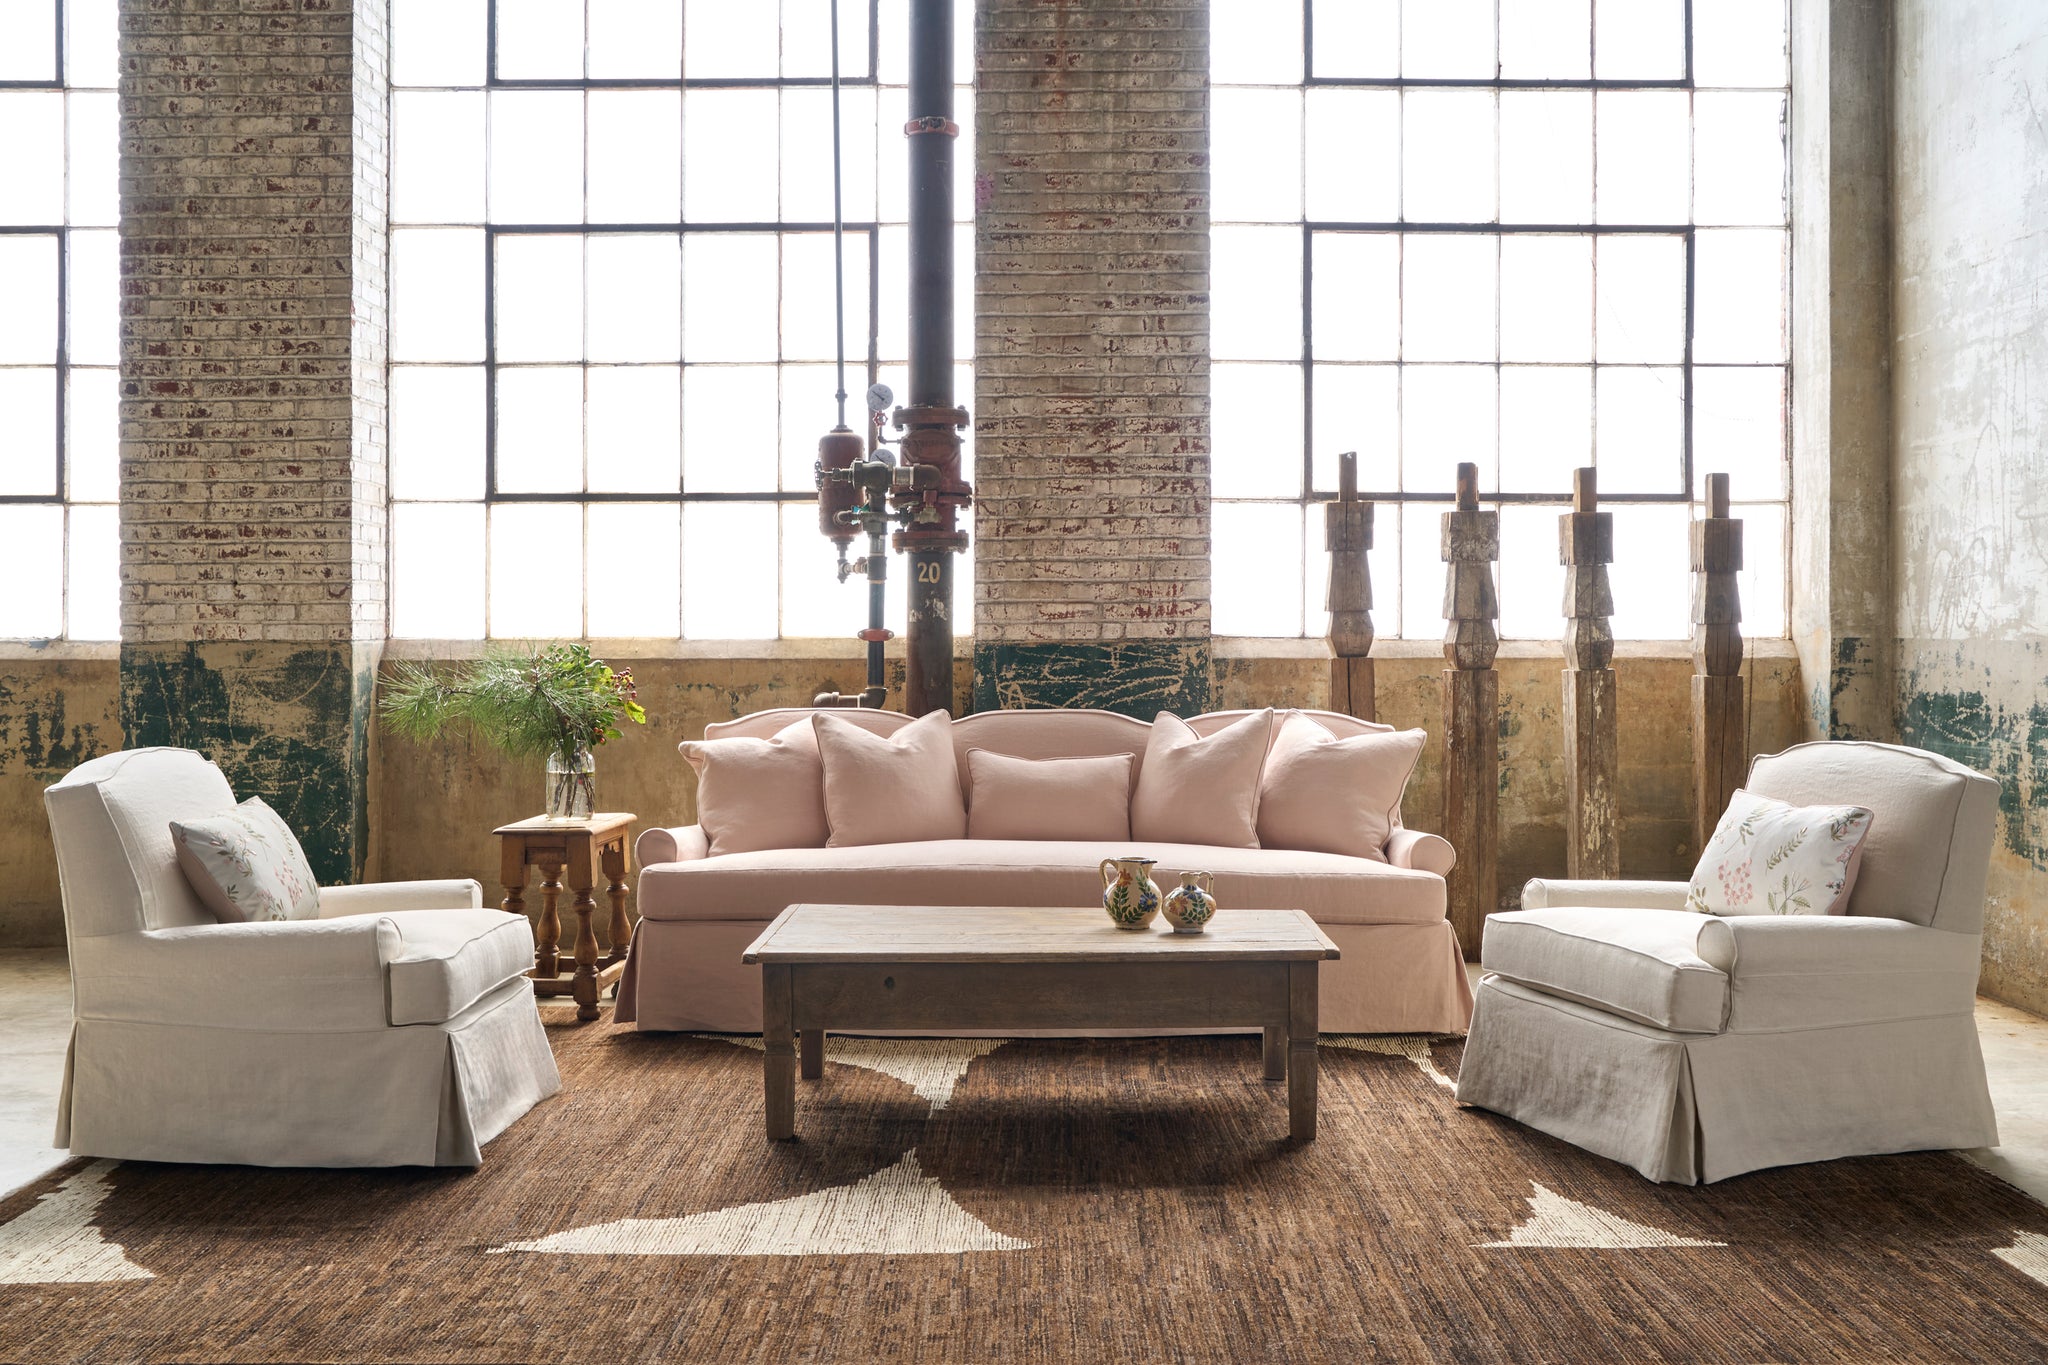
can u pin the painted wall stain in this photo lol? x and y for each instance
(37, 736)
(54, 715)
(2008, 743)
(1133, 677)
(1655, 742)
(287, 723)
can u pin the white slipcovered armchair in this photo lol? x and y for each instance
(395, 1030)
(1695, 1047)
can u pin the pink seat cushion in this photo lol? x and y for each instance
(884, 789)
(760, 793)
(1048, 798)
(757, 886)
(1334, 795)
(1202, 791)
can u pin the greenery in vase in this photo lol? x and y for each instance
(525, 704)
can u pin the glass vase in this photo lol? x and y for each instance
(572, 786)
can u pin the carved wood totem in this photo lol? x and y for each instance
(1585, 546)
(1719, 744)
(1347, 529)
(1471, 544)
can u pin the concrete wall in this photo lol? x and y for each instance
(55, 713)
(1841, 375)
(1654, 687)
(432, 808)
(436, 805)
(1969, 526)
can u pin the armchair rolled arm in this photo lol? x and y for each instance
(1421, 851)
(1817, 971)
(1545, 893)
(387, 898)
(684, 844)
(287, 976)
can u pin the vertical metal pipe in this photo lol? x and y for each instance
(878, 612)
(931, 445)
(931, 204)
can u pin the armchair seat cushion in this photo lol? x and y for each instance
(1647, 965)
(447, 960)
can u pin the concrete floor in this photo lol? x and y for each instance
(35, 1018)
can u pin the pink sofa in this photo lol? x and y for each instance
(1401, 970)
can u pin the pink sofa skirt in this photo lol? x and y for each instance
(1392, 978)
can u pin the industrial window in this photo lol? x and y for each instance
(1529, 234)
(59, 278)
(612, 308)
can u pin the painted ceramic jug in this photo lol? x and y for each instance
(1128, 892)
(1190, 906)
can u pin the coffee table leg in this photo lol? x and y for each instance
(1276, 1054)
(1301, 1051)
(812, 1054)
(779, 1053)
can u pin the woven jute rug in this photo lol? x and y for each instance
(1029, 1200)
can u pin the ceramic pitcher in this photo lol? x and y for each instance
(1190, 906)
(1128, 892)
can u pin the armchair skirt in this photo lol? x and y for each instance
(418, 1095)
(1692, 1108)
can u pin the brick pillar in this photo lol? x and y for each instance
(1092, 355)
(253, 199)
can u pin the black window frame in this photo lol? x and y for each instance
(682, 228)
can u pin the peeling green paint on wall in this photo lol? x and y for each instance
(1855, 669)
(38, 736)
(288, 723)
(55, 714)
(1981, 712)
(1134, 677)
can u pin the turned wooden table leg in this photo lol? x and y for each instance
(1302, 1034)
(512, 876)
(812, 1052)
(547, 936)
(1276, 1054)
(582, 881)
(621, 931)
(778, 1072)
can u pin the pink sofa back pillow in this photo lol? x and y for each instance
(1048, 798)
(1329, 795)
(1194, 790)
(756, 794)
(890, 789)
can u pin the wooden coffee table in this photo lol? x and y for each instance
(934, 968)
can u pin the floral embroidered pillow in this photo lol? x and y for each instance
(247, 865)
(1768, 858)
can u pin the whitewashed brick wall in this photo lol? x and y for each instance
(252, 243)
(1091, 387)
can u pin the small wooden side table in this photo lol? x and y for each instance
(581, 848)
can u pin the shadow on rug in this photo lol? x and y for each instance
(1030, 1200)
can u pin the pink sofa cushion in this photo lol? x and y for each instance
(1334, 889)
(1048, 798)
(890, 789)
(1334, 795)
(1202, 791)
(760, 793)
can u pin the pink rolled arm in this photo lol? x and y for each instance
(1423, 852)
(684, 844)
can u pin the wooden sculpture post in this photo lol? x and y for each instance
(1718, 740)
(1471, 543)
(1585, 546)
(1347, 530)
